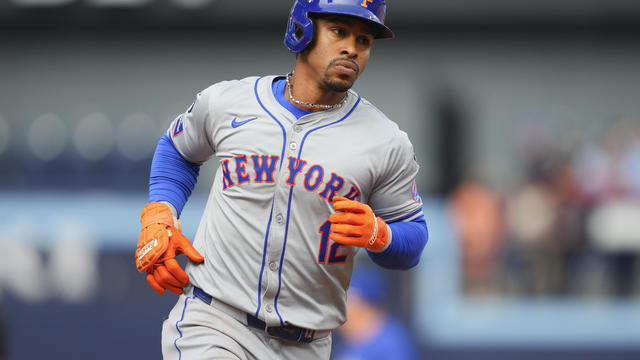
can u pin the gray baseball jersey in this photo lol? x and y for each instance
(265, 231)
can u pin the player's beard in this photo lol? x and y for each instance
(340, 85)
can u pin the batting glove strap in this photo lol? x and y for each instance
(374, 235)
(156, 213)
(387, 234)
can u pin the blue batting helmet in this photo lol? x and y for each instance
(371, 283)
(300, 27)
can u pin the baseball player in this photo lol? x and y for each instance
(310, 172)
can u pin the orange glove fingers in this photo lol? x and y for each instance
(175, 290)
(347, 218)
(351, 206)
(161, 282)
(167, 278)
(185, 247)
(347, 230)
(176, 272)
(346, 240)
(154, 284)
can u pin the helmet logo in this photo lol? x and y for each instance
(364, 3)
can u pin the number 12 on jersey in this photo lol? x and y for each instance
(334, 257)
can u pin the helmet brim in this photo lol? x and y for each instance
(381, 31)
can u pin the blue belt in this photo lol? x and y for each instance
(285, 332)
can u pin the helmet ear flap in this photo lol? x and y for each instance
(297, 30)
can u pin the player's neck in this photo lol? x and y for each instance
(308, 88)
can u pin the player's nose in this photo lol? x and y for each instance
(349, 47)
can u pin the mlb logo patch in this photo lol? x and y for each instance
(177, 128)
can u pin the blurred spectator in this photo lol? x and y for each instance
(612, 225)
(594, 172)
(371, 333)
(569, 223)
(543, 226)
(611, 222)
(477, 214)
(568, 226)
(615, 232)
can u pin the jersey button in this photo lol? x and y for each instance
(273, 266)
(279, 219)
(268, 308)
(297, 128)
(293, 146)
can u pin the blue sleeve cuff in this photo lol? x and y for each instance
(405, 250)
(172, 178)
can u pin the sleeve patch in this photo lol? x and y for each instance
(414, 193)
(178, 128)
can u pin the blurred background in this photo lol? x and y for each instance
(525, 117)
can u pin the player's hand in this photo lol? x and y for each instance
(355, 224)
(160, 242)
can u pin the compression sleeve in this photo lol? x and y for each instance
(408, 239)
(172, 177)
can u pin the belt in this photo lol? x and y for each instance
(285, 332)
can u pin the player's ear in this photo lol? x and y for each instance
(305, 52)
(299, 31)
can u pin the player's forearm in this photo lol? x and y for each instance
(407, 242)
(172, 178)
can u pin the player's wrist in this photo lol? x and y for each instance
(174, 212)
(156, 213)
(389, 238)
(382, 238)
(172, 208)
(160, 212)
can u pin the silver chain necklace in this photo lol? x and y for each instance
(321, 106)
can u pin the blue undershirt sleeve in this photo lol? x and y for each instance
(172, 177)
(407, 242)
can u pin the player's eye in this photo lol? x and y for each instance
(364, 40)
(339, 31)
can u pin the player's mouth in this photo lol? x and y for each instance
(346, 67)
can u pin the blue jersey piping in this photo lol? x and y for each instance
(175, 342)
(408, 217)
(286, 231)
(266, 237)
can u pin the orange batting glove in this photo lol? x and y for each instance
(355, 224)
(160, 242)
